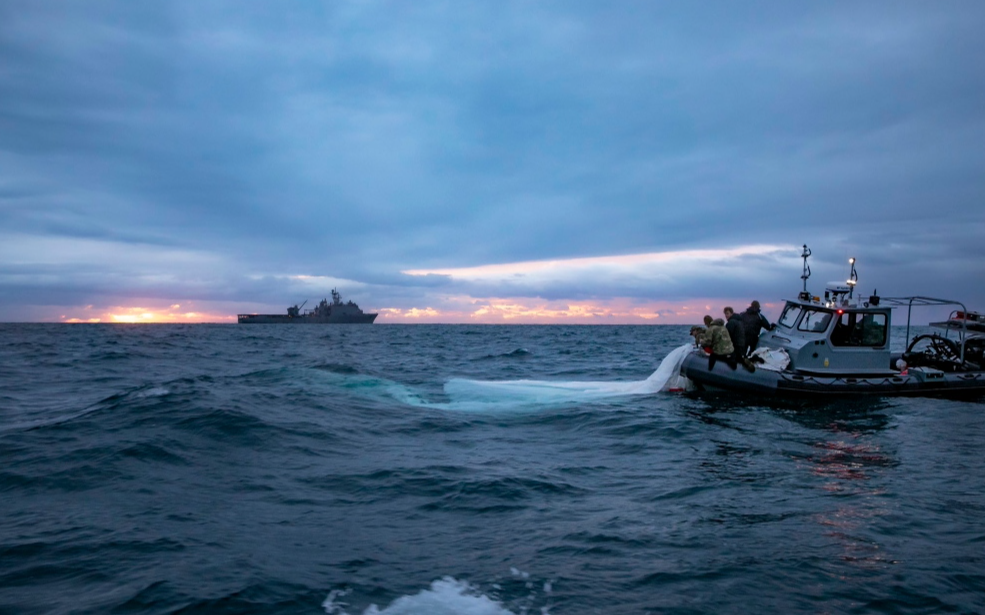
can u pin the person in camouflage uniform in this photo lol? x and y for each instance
(716, 338)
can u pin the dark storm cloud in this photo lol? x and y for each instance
(211, 145)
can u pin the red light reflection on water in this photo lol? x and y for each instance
(849, 464)
(846, 461)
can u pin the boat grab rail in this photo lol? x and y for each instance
(920, 301)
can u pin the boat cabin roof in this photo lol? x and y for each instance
(797, 312)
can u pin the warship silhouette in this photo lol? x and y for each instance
(335, 312)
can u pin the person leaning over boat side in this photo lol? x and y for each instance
(753, 322)
(737, 333)
(716, 336)
(697, 333)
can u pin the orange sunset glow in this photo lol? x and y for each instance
(452, 310)
(145, 315)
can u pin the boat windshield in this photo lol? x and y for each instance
(859, 329)
(814, 320)
(790, 315)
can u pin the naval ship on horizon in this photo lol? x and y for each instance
(335, 312)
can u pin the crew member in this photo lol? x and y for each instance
(753, 322)
(737, 333)
(716, 337)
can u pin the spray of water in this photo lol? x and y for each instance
(519, 594)
(447, 596)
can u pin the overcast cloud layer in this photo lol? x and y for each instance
(218, 157)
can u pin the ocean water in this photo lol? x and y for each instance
(473, 470)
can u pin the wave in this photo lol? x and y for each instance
(143, 392)
(337, 368)
(519, 353)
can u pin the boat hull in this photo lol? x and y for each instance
(796, 384)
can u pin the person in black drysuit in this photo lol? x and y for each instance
(736, 331)
(753, 322)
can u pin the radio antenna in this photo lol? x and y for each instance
(806, 274)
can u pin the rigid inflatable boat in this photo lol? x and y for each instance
(838, 345)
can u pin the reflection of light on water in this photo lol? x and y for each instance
(844, 525)
(843, 461)
(849, 466)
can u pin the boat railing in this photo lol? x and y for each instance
(910, 302)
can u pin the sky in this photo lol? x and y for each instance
(485, 161)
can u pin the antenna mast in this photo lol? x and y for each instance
(804, 295)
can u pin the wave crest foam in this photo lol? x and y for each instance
(446, 596)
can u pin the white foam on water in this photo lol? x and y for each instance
(446, 596)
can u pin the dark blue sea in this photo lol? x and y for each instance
(473, 470)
